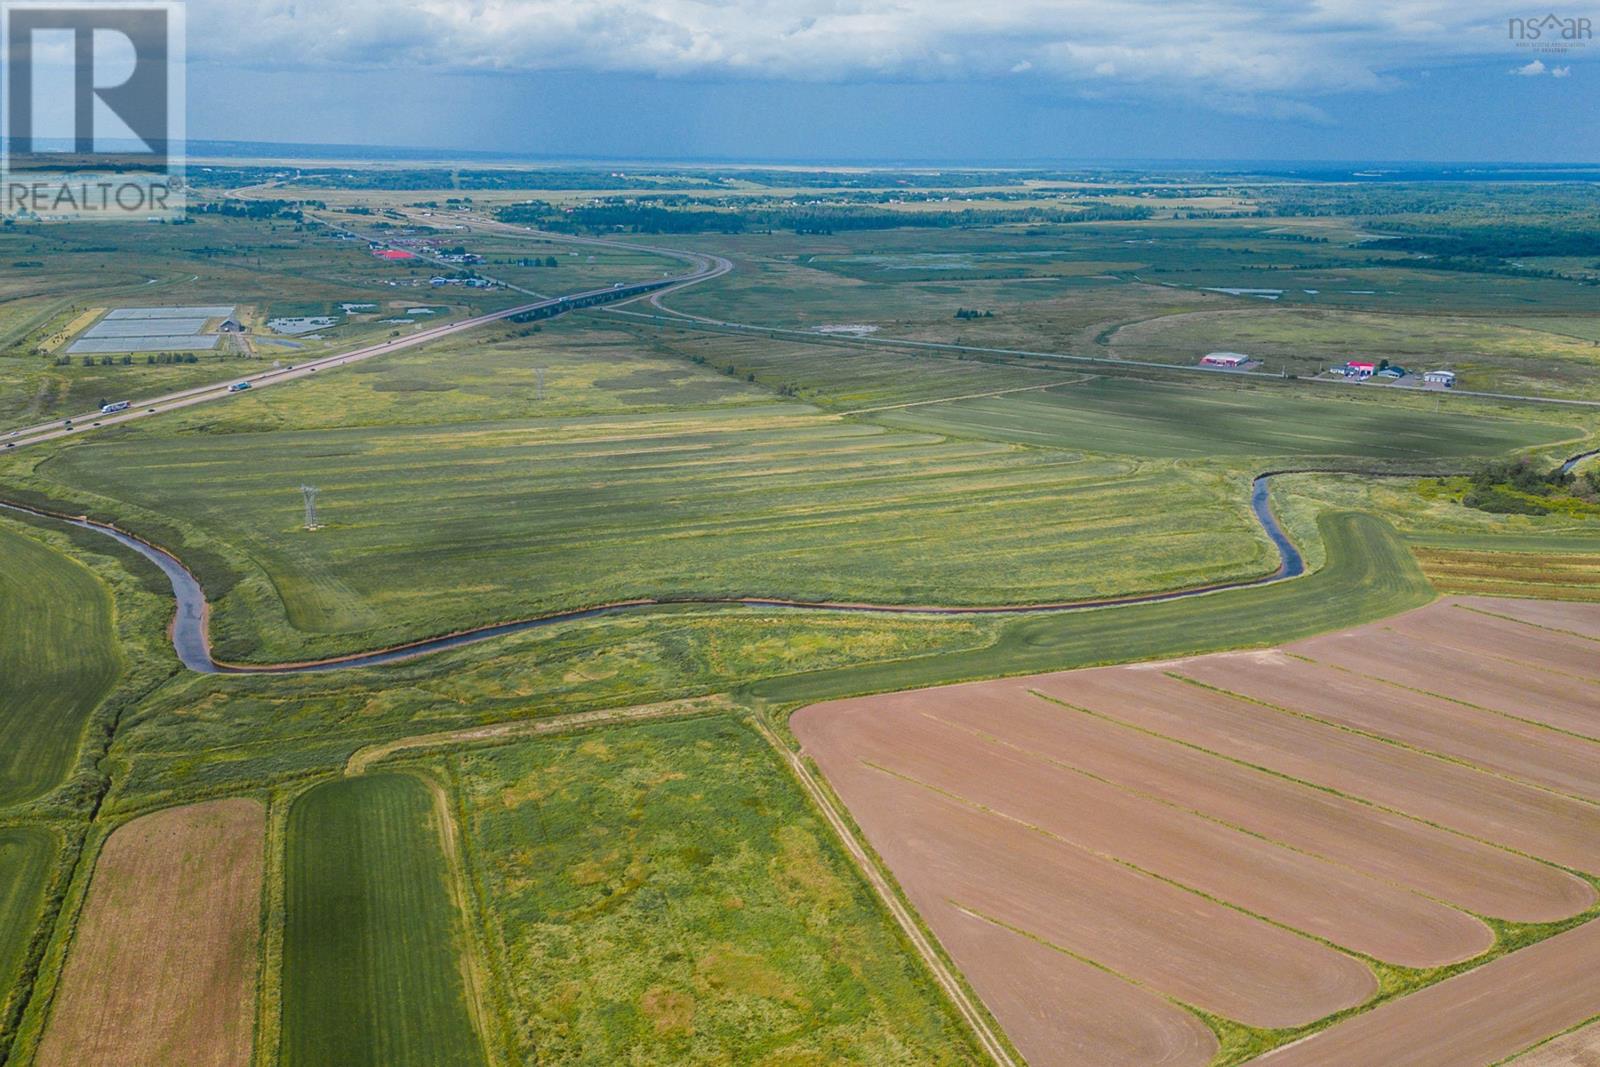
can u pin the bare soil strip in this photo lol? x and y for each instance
(163, 967)
(1172, 941)
(1475, 876)
(1472, 631)
(1580, 1048)
(1070, 1012)
(1580, 619)
(1494, 809)
(1524, 691)
(1312, 895)
(1478, 1017)
(1485, 740)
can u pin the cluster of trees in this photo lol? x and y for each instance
(535, 261)
(973, 313)
(250, 209)
(126, 359)
(1522, 487)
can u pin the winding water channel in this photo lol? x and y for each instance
(191, 639)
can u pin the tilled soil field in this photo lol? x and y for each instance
(1251, 835)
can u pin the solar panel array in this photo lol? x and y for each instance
(163, 329)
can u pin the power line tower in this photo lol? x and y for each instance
(311, 492)
(539, 372)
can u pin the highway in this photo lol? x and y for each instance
(703, 268)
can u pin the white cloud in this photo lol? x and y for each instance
(1529, 70)
(1227, 49)
(1560, 72)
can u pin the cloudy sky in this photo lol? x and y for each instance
(944, 80)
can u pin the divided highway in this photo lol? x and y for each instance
(704, 268)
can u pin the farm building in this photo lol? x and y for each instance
(1229, 360)
(1446, 378)
(1358, 368)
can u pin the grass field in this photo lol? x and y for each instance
(1463, 550)
(1147, 418)
(1368, 574)
(372, 943)
(58, 660)
(662, 894)
(163, 964)
(434, 529)
(204, 734)
(1151, 290)
(1489, 353)
(25, 857)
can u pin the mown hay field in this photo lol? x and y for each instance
(163, 964)
(58, 659)
(1163, 418)
(25, 856)
(663, 894)
(372, 964)
(429, 530)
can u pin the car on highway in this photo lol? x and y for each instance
(238, 387)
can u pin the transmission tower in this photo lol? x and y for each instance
(310, 492)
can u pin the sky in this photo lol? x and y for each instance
(1002, 82)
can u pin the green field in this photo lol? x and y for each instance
(202, 735)
(59, 658)
(663, 894)
(25, 857)
(1368, 574)
(372, 940)
(433, 529)
(1151, 418)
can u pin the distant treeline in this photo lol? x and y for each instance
(254, 209)
(1499, 242)
(645, 218)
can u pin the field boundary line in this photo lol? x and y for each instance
(473, 958)
(968, 396)
(363, 758)
(901, 912)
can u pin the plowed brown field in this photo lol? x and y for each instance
(1212, 832)
(163, 967)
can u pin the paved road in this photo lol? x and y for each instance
(684, 319)
(702, 268)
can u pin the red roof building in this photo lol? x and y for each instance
(393, 253)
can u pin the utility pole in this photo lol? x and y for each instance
(539, 372)
(310, 492)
